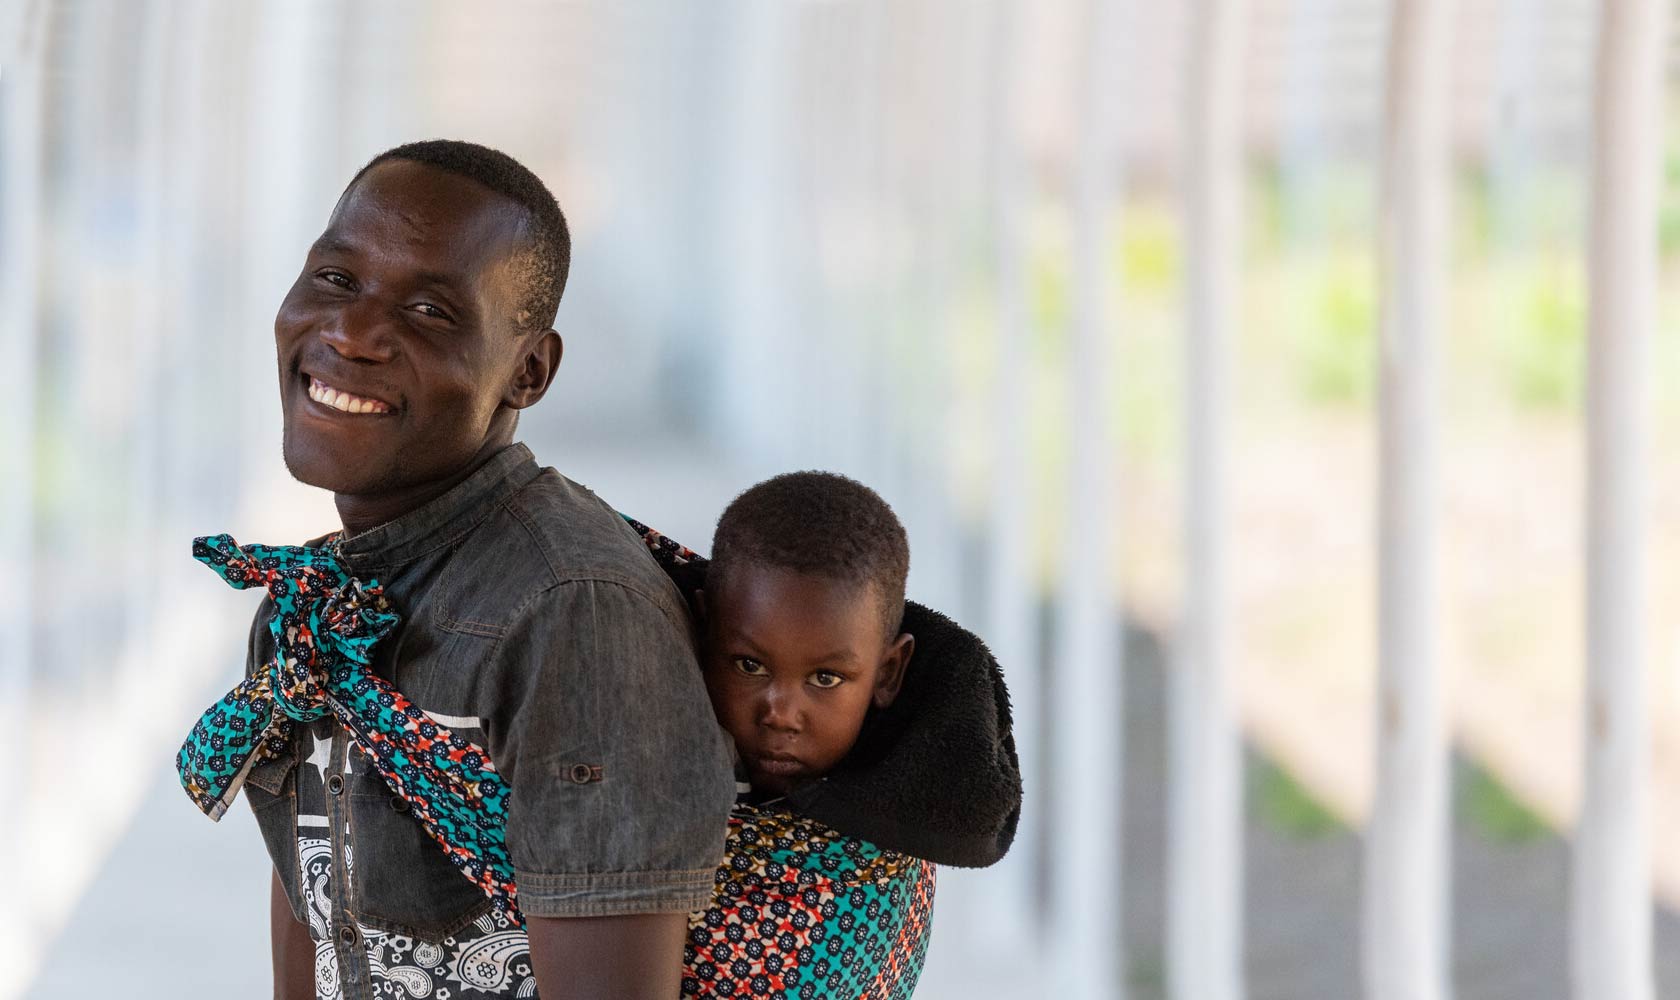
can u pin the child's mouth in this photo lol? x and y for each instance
(780, 765)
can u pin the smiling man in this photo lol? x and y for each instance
(538, 648)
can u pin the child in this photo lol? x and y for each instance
(872, 736)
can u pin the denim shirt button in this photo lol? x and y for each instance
(335, 784)
(347, 934)
(583, 774)
(399, 804)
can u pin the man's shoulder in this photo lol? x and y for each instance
(571, 536)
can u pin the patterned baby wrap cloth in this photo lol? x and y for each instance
(798, 909)
(801, 911)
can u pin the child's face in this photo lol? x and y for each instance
(793, 662)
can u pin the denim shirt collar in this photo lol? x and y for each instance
(442, 521)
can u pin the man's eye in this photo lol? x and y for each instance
(826, 679)
(749, 666)
(427, 309)
(338, 278)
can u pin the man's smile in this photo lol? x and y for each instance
(343, 401)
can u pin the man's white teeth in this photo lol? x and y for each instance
(326, 394)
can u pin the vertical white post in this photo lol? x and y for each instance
(290, 179)
(1610, 932)
(21, 196)
(1310, 45)
(1404, 911)
(1519, 77)
(756, 396)
(1087, 688)
(1012, 612)
(1204, 821)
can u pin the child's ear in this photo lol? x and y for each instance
(890, 677)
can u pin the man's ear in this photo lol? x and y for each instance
(536, 371)
(890, 677)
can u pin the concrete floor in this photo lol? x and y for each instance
(179, 909)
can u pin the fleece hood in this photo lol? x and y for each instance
(935, 775)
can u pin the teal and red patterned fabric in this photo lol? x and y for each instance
(325, 625)
(799, 910)
(802, 911)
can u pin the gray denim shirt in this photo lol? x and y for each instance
(536, 624)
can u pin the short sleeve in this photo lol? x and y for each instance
(621, 785)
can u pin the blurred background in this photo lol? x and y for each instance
(963, 251)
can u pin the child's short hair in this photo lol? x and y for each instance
(821, 523)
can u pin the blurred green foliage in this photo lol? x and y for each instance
(1669, 225)
(1491, 810)
(1148, 248)
(1334, 331)
(1281, 803)
(1542, 351)
(1146, 978)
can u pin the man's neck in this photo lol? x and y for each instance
(360, 512)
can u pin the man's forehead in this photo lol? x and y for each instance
(401, 204)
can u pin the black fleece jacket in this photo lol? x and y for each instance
(935, 775)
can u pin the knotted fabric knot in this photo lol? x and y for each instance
(325, 625)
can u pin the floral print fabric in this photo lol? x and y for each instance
(325, 625)
(802, 911)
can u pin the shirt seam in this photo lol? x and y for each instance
(645, 878)
(445, 540)
(603, 894)
(524, 607)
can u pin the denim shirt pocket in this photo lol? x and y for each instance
(463, 604)
(402, 882)
(272, 792)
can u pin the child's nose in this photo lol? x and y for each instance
(779, 711)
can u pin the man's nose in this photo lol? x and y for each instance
(361, 331)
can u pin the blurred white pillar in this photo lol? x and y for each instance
(165, 181)
(290, 179)
(1517, 97)
(756, 392)
(1012, 594)
(1087, 738)
(21, 200)
(1204, 821)
(1403, 934)
(1611, 917)
(23, 49)
(1308, 50)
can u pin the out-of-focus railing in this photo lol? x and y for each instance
(888, 237)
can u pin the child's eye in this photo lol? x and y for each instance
(749, 666)
(826, 679)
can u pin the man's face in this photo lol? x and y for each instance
(397, 344)
(793, 662)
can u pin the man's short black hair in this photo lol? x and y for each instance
(823, 524)
(549, 256)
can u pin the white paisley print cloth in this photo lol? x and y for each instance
(489, 959)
